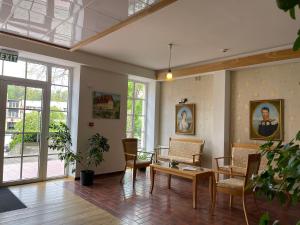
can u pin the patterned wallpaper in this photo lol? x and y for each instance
(197, 90)
(272, 82)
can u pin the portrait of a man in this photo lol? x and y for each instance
(185, 123)
(266, 119)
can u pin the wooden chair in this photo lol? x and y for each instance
(130, 147)
(237, 162)
(239, 186)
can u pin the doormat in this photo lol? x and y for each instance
(8, 201)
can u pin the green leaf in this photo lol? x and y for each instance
(264, 219)
(296, 45)
(292, 13)
(286, 5)
(298, 134)
(298, 223)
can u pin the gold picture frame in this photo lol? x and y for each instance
(266, 119)
(185, 119)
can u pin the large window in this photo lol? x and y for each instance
(136, 111)
(24, 110)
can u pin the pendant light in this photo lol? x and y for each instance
(169, 75)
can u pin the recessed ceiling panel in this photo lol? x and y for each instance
(65, 22)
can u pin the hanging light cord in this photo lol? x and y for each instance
(170, 45)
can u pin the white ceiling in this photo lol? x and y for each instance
(199, 29)
(65, 22)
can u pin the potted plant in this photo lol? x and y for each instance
(98, 145)
(60, 141)
(281, 179)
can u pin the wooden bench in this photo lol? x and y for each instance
(186, 151)
(237, 162)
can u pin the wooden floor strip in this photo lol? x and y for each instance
(48, 203)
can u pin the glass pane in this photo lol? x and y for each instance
(32, 121)
(139, 107)
(59, 98)
(55, 167)
(140, 90)
(34, 98)
(14, 120)
(11, 169)
(60, 76)
(30, 167)
(129, 123)
(13, 69)
(129, 106)
(31, 143)
(57, 117)
(130, 89)
(15, 96)
(12, 144)
(138, 126)
(36, 71)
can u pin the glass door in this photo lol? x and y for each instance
(22, 135)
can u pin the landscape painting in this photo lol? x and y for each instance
(106, 105)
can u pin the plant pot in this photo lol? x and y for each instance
(86, 177)
(143, 169)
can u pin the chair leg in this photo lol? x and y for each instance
(122, 177)
(245, 210)
(230, 201)
(134, 176)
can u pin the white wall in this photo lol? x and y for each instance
(211, 95)
(198, 91)
(114, 129)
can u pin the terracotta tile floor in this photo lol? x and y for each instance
(171, 207)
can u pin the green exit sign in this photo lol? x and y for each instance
(8, 55)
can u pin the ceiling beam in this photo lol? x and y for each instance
(231, 63)
(143, 13)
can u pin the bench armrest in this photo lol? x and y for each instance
(194, 156)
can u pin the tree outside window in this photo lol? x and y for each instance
(136, 112)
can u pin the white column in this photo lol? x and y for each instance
(221, 115)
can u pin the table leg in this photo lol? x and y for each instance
(211, 189)
(169, 181)
(195, 185)
(152, 173)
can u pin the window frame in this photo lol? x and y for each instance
(47, 84)
(132, 115)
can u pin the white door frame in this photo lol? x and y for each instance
(4, 81)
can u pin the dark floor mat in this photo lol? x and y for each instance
(8, 201)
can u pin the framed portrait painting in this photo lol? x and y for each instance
(266, 119)
(106, 105)
(185, 119)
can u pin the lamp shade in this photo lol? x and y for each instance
(169, 75)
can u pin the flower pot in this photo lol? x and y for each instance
(143, 169)
(86, 177)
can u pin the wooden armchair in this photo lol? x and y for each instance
(130, 147)
(237, 162)
(241, 186)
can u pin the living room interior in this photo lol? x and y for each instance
(141, 112)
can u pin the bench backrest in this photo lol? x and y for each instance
(185, 147)
(240, 152)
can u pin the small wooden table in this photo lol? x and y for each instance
(193, 175)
